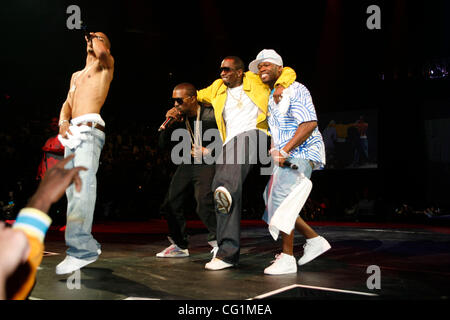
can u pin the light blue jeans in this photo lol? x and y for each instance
(81, 205)
(281, 184)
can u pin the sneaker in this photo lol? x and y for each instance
(313, 248)
(71, 264)
(283, 264)
(223, 200)
(173, 251)
(217, 264)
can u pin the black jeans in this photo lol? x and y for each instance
(201, 177)
(232, 175)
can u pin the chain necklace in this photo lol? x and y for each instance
(195, 135)
(239, 101)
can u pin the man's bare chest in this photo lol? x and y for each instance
(88, 75)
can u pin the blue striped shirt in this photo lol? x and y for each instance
(283, 125)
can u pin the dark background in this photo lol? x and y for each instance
(157, 44)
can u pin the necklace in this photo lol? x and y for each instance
(74, 86)
(239, 101)
(195, 135)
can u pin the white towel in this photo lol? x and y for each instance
(284, 217)
(75, 138)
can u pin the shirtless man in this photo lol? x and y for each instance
(81, 131)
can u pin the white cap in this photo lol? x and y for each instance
(266, 55)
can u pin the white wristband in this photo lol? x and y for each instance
(62, 121)
(281, 151)
(284, 153)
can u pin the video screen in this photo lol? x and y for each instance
(350, 138)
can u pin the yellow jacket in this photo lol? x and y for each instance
(256, 90)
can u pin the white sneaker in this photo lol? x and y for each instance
(313, 248)
(173, 251)
(283, 264)
(223, 200)
(71, 264)
(217, 264)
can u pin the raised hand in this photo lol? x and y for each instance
(54, 184)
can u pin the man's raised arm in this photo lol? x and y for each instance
(101, 46)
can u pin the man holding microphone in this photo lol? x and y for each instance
(297, 150)
(82, 132)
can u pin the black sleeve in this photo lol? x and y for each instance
(164, 139)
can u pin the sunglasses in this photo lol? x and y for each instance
(180, 101)
(226, 69)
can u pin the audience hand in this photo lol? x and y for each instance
(14, 250)
(54, 184)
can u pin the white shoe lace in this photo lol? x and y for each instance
(305, 246)
(170, 248)
(277, 257)
(214, 252)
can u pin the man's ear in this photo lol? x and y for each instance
(280, 70)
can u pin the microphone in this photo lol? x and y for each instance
(84, 28)
(166, 123)
(290, 165)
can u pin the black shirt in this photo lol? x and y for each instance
(208, 121)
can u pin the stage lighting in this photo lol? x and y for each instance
(436, 69)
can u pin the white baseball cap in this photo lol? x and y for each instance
(266, 55)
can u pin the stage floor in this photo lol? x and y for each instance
(414, 263)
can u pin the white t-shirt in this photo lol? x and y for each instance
(240, 113)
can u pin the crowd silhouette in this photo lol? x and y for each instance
(134, 176)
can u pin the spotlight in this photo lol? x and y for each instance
(436, 69)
